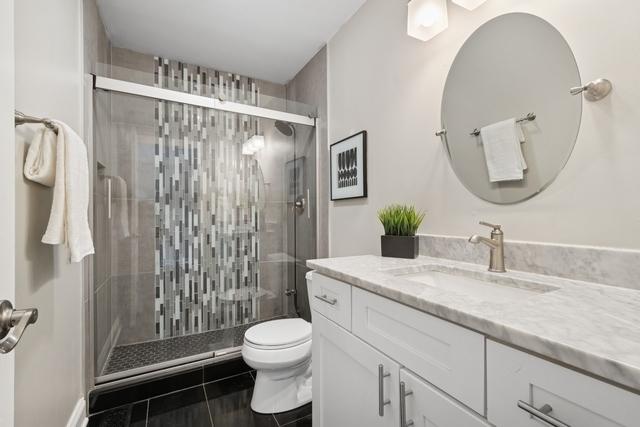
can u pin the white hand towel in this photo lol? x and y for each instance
(520, 131)
(502, 151)
(40, 164)
(69, 221)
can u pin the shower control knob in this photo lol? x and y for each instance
(290, 292)
(300, 204)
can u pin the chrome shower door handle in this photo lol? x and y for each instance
(382, 402)
(109, 198)
(403, 405)
(13, 324)
(542, 414)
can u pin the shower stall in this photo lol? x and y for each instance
(203, 216)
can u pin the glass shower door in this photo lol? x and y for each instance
(191, 220)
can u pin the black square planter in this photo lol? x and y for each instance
(399, 246)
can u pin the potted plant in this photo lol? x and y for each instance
(400, 224)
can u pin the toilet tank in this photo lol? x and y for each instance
(309, 277)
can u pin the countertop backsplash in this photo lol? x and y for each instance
(607, 266)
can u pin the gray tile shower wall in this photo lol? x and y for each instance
(614, 267)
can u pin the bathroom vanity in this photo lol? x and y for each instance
(433, 342)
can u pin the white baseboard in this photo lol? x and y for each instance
(78, 418)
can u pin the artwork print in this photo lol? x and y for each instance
(348, 167)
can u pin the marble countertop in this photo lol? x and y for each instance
(594, 328)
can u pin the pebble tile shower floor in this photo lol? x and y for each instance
(222, 403)
(131, 356)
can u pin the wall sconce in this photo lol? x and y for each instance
(253, 145)
(427, 18)
(469, 4)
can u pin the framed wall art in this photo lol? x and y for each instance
(348, 167)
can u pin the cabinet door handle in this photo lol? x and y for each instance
(403, 405)
(325, 298)
(381, 400)
(542, 414)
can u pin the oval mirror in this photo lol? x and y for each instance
(514, 66)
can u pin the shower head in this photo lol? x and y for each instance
(285, 128)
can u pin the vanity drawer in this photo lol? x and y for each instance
(332, 299)
(446, 355)
(575, 399)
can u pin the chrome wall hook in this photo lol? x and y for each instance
(594, 90)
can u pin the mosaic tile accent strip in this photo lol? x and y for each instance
(132, 356)
(207, 211)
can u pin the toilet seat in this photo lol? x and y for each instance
(278, 334)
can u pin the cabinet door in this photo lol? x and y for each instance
(346, 382)
(570, 397)
(447, 355)
(428, 407)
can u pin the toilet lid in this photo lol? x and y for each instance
(279, 333)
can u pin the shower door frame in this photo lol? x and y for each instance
(130, 88)
(121, 86)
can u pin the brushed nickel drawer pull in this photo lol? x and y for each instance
(542, 414)
(325, 298)
(381, 400)
(403, 405)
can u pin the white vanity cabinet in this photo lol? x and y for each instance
(519, 383)
(378, 363)
(426, 406)
(448, 356)
(356, 385)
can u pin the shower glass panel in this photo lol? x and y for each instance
(203, 219)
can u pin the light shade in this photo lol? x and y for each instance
(469, 4)
(427, 18)
(252, 145)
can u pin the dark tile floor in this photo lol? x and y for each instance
(222, 403)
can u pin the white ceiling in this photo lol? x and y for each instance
(264, 39)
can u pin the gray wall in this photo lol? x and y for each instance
(97, 59)
(390, 84)
(309, 87)
(48, 82)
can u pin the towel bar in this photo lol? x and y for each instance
(529, 117)
(21, 118)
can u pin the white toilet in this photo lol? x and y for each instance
(280, 352)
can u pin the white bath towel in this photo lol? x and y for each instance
(40, 164)
(501, 142)
(69, 220)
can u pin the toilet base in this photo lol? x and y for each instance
(282, 390)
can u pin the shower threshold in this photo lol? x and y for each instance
(134, 359)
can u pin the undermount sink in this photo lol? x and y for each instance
(485, 286)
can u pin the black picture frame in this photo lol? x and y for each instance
(333, 167)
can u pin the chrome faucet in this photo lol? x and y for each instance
(496, 245)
